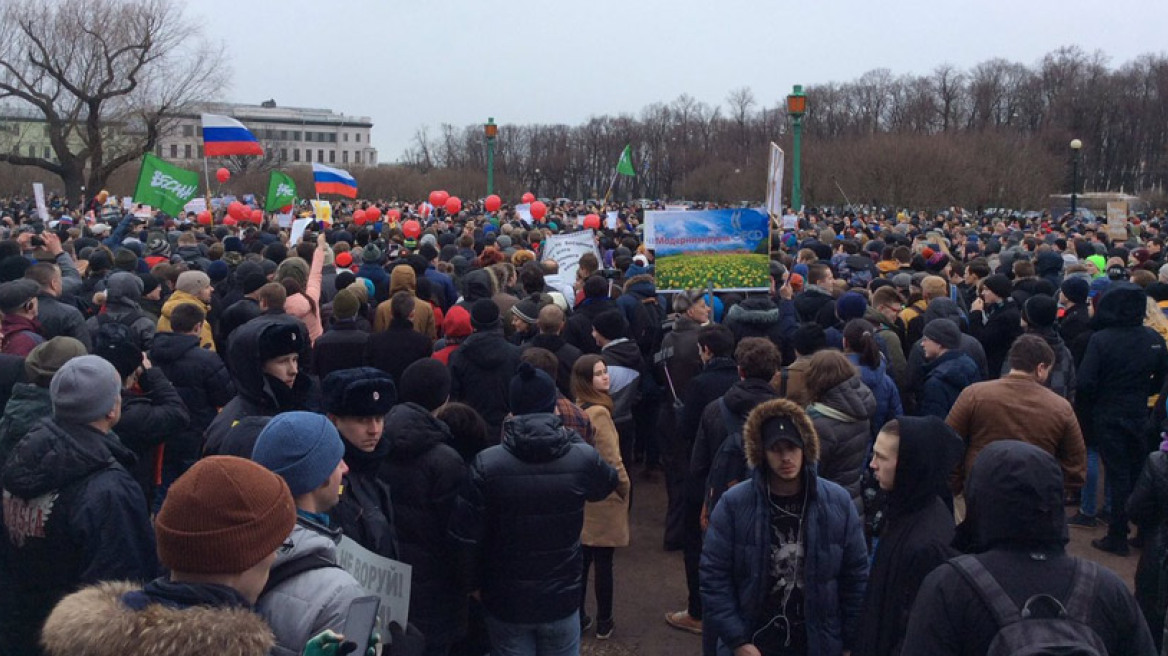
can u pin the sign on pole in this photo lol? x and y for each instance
(298, 228)
(38, 190)
(380, 576)
(724, 249)
(323, 210)
(774, 197)
(566, 250)
(1117, 221)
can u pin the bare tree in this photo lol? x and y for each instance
(107, 76)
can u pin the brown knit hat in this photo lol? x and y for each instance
(224, 515)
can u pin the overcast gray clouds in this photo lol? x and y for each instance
(406, 64)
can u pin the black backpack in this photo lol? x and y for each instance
(1020, 632)
(115, 331)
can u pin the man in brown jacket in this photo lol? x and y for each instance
(403, 279)
(1019, 406)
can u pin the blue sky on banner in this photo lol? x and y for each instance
(409, 64)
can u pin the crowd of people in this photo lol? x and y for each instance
(874, 456)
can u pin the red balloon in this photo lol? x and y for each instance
(493, 203)
(257, 216)
(222, 175)
(238, 210)
(372, 214)
(359, 217)
(438, 198)
(453, 205)
(394, 214)
(424, 209)
(528, 197)
(227, 221)
(538, 210)
(592, 221)
(204, 218)
(412, 229)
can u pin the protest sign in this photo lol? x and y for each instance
(298, 228)
(774, 198)
(566, 250)
(323, 210)
(380, 576)
(610, 220)
(723, 248)
(524, 212)
(38, 191)
(1117, 221)
(196, 205)
(283, 220)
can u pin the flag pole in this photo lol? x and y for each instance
(610, 185)
(207, 176)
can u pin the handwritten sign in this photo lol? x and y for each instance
(566, 250)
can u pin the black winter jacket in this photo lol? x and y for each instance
(712, 438)
(519, 517)
(202, 381)
(842, 419)
(480, 376)
(424, 474)
(72, 516)
(566, 356)
(1125, 361)
(397, 348)
(342, 346)
(152, 417)
(997, 332)
(717, 377)
(578, 329)
(945, 378)
(1148, 507)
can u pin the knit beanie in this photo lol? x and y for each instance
(851, 305)
(218, 271)
(47, 357)
(85, 389)
(192, 282)
(126, 260)
(223, 516)
(149, 283)
(426, 382)
(1040, 311)
(1076, 289)
(345, 305)
(532, 391)
(944, 332)
(484, 315)
(253, 281)
(371, 253)
(302, 447)
(124, 356)
(610, 324)
(999, 285)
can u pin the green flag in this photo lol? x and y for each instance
(165, 186)
(625, 165)
(281, 191)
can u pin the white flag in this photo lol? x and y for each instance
(774, 197)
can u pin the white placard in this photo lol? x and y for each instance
(566, 250)
(774, 191)
(38, 190)
(610, 220)
(283, 220)
(524, 212)
(298, 228)
(380, 576)
(195, 205)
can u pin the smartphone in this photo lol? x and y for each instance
(359, 623)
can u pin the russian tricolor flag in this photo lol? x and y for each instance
(223, 135)
(333, 181)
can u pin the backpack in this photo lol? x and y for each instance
(115, 331)
(1020, 632)
(729, 465)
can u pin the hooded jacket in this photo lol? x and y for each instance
(27, 405)
(1062, 375)
(644, 326)
(578, 329)
(519, 518)
(997, 330)
(309, 602)
(678, 359)
(758, 316)
(842, 418)
(403, 279)
(96, 621)
(72, 516)
(623, 359)
(476, 285)
(946, 376)
(736, 550)
(480, 375)
(877, 380)
(1016, 525)
(890, 334)
(258, 396)
(918, 528)
(717, 451)
(1125, 361)
(424, 474)
(179, 297)
(202, 381)
(123, 304)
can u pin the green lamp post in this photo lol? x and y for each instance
(796, 108)
(491, 131)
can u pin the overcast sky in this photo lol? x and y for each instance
(407, 64)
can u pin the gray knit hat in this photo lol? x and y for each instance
(85, 389)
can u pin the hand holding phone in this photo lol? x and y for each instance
(359, 623)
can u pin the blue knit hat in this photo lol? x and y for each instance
(302, 447)
(852, 305)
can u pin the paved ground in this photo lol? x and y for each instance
(649, 582)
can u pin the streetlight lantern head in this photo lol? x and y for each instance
(797, 102)
(1076, 144)
(490, 129)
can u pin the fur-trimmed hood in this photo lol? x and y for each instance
(752, 431)
(95, 622)
(643, 284)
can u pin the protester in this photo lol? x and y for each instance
(30, 401)
(57, 318)
(841, 409)
(20, 332)
(192, 287)
(482, 366)
(948, 371)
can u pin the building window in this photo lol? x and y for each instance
(187, 151)
(46, 129)
(332, 157)
(320, 156)
(188, 130)
(200, 152)
(158, 150)
(295, 135)
(345, 157)
(199, 129)
(295, 154)
(32, 151)
(357, 157)
(346, 137)
(283, 154)
(174, 151)
(48, 152)
(308, 136)
(358, 136)
(332, 137)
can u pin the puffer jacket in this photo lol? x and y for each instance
(311, 601)
(890, 334)
(206, 339)
(123, 304)
(842, 418)
(945, 377)
(1125, 361)
(518, 520)
(480, 373)
(403, 279)
(1148, 507)
(171, 619)
(259, 397)
(424, 474)
(877, 380)
(758, 316)
(62, 319)
(27, 405)
(202, 380)
(73, 516)
(736, 552)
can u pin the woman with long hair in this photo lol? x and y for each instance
(301, 282)
(862, 350)
(606, 523)
(841, 409)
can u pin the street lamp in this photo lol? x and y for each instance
(1076, 146)
(796, 108)
(535, 187)
(491, 131)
